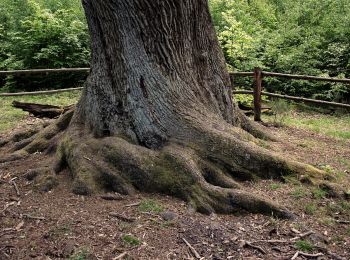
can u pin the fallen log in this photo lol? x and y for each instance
(40, 110)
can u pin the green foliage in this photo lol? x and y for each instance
(310, 208)
(319, 193)
(42, 34)
(150, 206)
(299, 192)
(131, 240)
(305, 37)
(304, 245)
(82, 254)
(275, 186)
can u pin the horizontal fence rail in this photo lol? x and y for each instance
(42, 71)
(34, 93)
(290, 76)
(307, 100)
(258, 76)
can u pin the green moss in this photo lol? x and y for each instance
(310, 208)
(299, 192)
(151, 206)
(319, 193)
(130, 240)
(170, 176)
(304, 245)
(275, 186)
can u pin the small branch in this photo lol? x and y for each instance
(247, 243)
(121, 256)
(13, 183)
(152, 214)
(343, 221)
(122, 217)
(87, 158)
(112, 197)
(302, 235)
(193, 251)
(133, 205)
(33, 217)
(305, 254)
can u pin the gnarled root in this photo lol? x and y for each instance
(205, 172)
(38, 139)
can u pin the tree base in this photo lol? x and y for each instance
(205, 172)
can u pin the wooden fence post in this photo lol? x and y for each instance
(257, 93)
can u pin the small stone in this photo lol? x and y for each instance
(169, 216)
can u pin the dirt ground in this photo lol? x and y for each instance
(60, 225)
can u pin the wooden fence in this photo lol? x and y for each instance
(257, 74)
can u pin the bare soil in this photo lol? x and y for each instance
(60, 225)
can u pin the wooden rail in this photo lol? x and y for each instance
(43, 71)
(307, 100)
(258, 76)
(39, 92)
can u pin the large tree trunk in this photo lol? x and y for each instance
(156, 113)
(155, 66)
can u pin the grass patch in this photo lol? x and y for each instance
(11, 116)
(150, 206)
(299, 192)
(332, 125)
(82, 254)
(130, 240)
(310, 209)
(304, 245)
(319, 193)
(275, 186)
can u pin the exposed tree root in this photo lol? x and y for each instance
(39, 139)
(205, 172)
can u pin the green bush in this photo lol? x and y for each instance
(43, 38)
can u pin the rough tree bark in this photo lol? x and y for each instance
(156, 113)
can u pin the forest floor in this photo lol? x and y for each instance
(60, 225)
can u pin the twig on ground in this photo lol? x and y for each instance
(13, 183)
(112, 197)
(193, 251)
(332, 255)
(7, 231)
(343, 221)
(87, 158)
(133, 204)
(295, 231)
(33, 217)
(250, 244)
(7, 206)
(153, 215)
(122, 217)
(121, 256)
(305, 254)
(302, 235)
